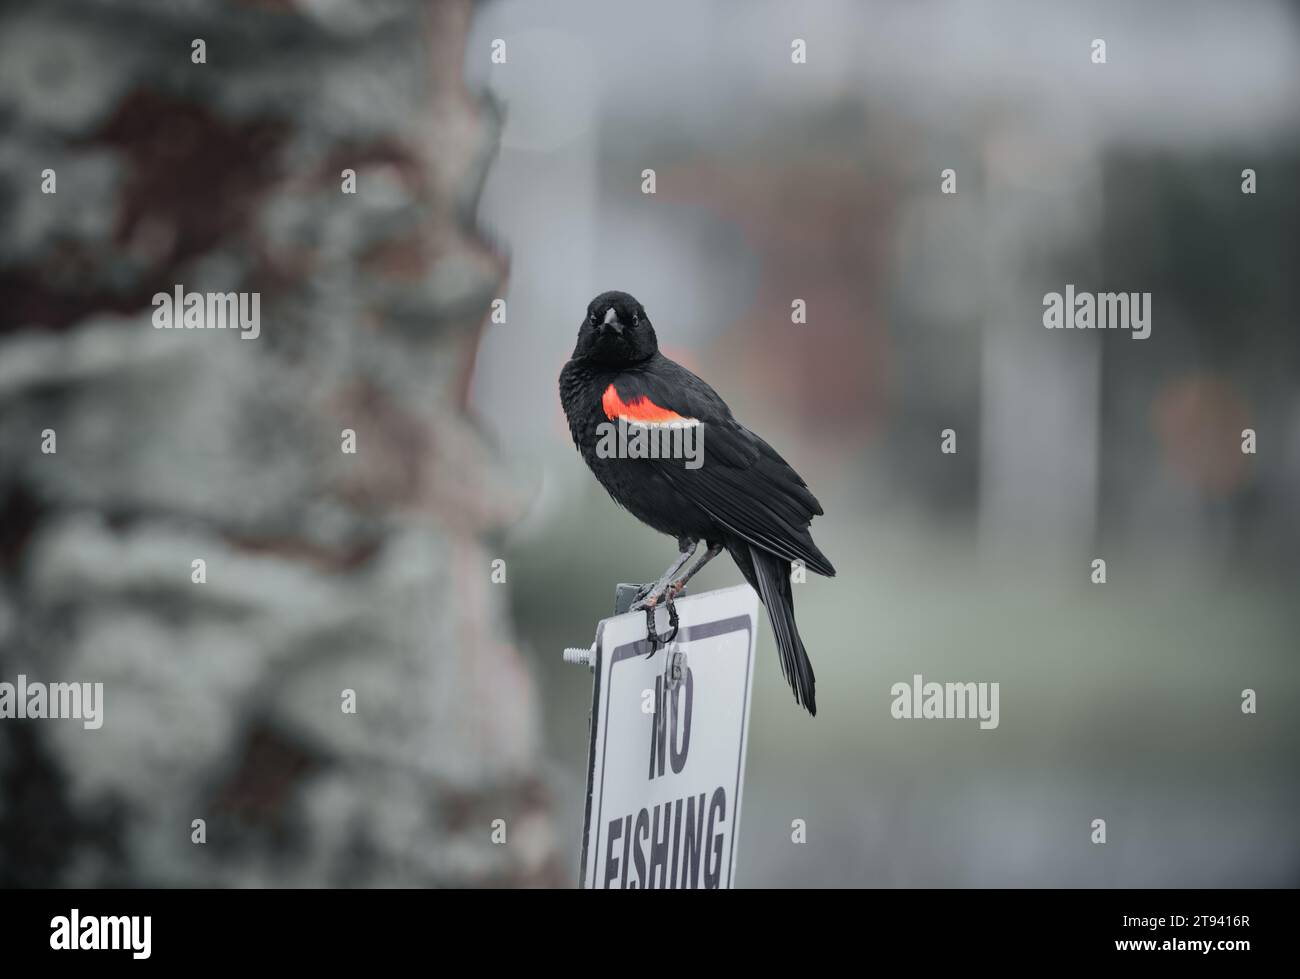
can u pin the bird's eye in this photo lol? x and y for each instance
(636, 318)
(592, 319)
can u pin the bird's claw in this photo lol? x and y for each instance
(650, 604)
(651, 637)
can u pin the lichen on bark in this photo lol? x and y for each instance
(325, 570)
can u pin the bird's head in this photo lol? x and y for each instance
(615, 332)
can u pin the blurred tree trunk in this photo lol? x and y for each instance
(326, 571)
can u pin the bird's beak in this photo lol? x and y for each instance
(611, 320)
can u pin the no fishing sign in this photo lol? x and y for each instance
(666, 762)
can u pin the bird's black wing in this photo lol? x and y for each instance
(742, 483)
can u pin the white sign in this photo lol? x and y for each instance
(667, 758)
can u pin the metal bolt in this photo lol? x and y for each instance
(581, 657)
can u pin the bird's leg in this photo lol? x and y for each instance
(650, 595)
(679, 586)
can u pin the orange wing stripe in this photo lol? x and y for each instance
(640, 409)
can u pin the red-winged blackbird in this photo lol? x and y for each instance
(741, 495)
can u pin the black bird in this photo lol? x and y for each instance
(741, 495)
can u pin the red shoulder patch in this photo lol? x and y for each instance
(640, 409)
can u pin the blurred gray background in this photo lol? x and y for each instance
(775, 181)
(821, 181)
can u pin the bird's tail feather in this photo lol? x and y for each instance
(772, 579)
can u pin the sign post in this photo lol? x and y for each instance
(669, 731)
